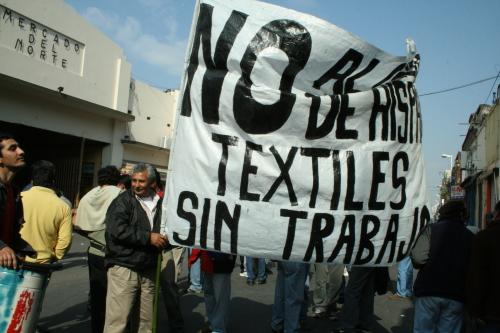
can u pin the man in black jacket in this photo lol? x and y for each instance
(483, 287)
(133, 243)
(441, 252)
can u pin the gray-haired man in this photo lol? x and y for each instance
(133, 242)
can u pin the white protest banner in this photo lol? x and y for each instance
(295, 140)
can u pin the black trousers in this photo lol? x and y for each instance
(359, 294)
(98, 287)
(170, 292)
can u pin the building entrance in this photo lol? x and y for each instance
(76, 159)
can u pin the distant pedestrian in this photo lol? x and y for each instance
(89, 220)
(441, 254)
(404, 284)
(258, 273)
(133, 243)
(483, 283)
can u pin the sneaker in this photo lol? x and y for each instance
(397, 297)
(319, 313)
(194, 290)
(243, 274)
(250, 282)
(261, 281)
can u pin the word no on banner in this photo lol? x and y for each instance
(295, 140)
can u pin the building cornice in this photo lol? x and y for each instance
(58, 96)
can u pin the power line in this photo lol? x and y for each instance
(420, 95)
(462, 86)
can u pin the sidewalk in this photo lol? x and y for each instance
(65, 306)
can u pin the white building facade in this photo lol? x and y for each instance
(67, 94)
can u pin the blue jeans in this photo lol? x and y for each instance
(261, 269)
(195, 276)
(437, 314)
(217, 288)
(289, 296)
(405, 278)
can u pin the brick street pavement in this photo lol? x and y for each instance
(65, 306)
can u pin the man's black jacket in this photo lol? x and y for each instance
(128, 233)
(441, 252)
(18, 244)
(483, 284)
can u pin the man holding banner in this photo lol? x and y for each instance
(132, 247)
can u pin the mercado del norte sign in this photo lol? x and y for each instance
(295, 140)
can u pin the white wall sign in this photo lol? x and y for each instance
(35, 40)
(295, 140)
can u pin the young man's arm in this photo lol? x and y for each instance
(64, 235)
(7, 256)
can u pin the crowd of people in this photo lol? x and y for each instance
(131, 263)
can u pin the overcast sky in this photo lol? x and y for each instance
(458, 40)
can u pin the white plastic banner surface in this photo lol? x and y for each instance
(295, 140)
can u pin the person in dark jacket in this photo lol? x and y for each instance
(11, 160)
(441, 252)
(483, 288)
(133, 243)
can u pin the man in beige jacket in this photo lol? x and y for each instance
(89, 219)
